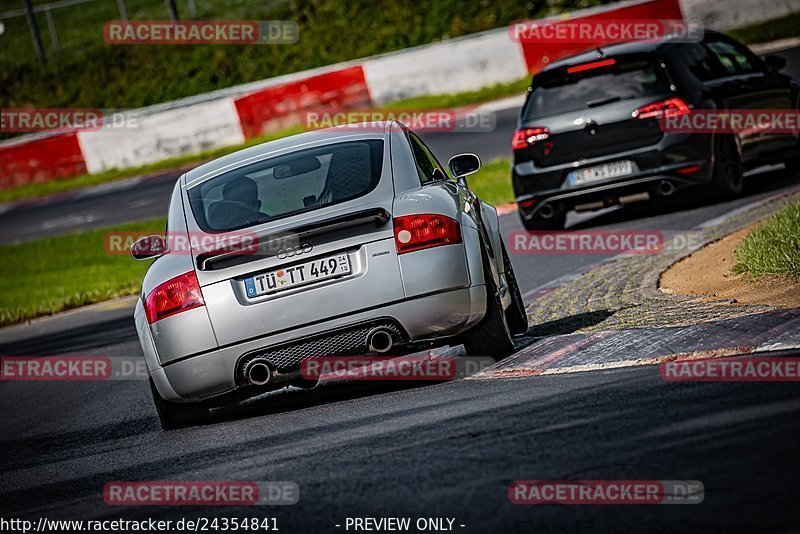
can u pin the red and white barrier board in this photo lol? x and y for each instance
(280, 106)
(41, 159)
(147, 138)
(464, 64)
(229, 117)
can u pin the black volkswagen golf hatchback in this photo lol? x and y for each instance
(591, 133)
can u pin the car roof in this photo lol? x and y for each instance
(630, 47)
(322, 136)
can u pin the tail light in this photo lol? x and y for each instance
(417, 232)
(593, 65)
(671, 107)
(529, 136)
(173, 296)
(690, 170)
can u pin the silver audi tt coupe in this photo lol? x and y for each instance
(345, 241)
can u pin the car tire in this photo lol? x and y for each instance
(516, 316)
(728, 177)
(178, 415)
(556, 222)
(492, 335)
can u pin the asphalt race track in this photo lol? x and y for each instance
(443, 450)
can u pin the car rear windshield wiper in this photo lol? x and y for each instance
(604, 101)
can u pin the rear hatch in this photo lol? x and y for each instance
(586, 110)
(325, 244)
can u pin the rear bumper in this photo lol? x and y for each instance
(609, 194)
(536, 187)
(213, 373)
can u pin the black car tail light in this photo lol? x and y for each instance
(529, 136)
(671, 107)
(591, 66)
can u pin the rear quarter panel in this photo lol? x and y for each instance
(188, 332)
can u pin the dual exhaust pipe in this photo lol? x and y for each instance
(665, 188)
(260, 372)
(380, 340)
(546, 211)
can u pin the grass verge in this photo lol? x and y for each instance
(455, 100)
(492, 183)
(774, 247)
(769, 30)
(55, 274)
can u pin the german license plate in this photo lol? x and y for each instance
(297, 275)
(601, 172)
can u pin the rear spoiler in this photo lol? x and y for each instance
(270, 244)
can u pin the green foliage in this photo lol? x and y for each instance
(89, 73)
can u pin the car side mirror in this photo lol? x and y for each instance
(775, 63)
(463, 165)
(148, 247)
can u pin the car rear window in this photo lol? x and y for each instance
(559, 91)
(286, 185)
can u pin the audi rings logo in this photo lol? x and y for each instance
(294, 251)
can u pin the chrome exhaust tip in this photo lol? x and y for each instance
(258, 373)
(665, 188)
(546, 211)
(380, 340)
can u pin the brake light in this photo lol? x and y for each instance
(173, 296)
(690, 170)
(417, 232)
(592, 65)
(529, 136)
(671, 107)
